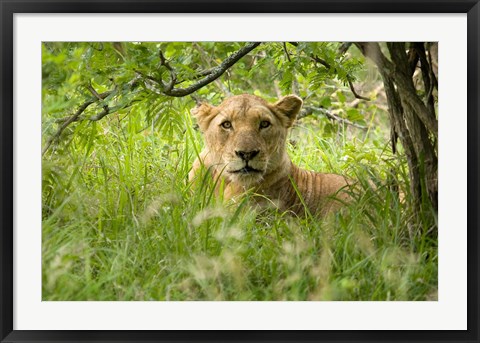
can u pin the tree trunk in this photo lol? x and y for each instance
(412, 111)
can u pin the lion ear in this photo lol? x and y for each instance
(289, 106)
(203, 113)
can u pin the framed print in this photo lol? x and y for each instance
(241, 170)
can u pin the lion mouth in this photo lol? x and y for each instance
(246, 170)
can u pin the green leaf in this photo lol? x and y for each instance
(326, 102)
(341, 97)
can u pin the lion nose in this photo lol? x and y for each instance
(247, 155)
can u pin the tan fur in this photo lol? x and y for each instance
(273, 171)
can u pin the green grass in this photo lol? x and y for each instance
(121, 222)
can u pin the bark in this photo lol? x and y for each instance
(412, 112)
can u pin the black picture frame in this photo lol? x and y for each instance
(9, 8)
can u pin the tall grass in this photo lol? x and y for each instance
(121, 222)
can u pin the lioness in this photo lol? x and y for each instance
(246, 148)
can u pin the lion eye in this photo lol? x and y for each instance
(226, 125)
(264, 124)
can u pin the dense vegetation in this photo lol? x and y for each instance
(122, 222)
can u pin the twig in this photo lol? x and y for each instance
(95, 94)
(195, 98)
(295, 87)
(66, 122)
(344, 47)
(286, 52)
(204, 73)
(173, 75)
(208, 71)
(309, 110)
(150, 82)
(375, 92)
(350, 84)
(100, 115)
(75, 117)
(328, 66)
(349, 78)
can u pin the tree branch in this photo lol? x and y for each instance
(173, 76)
(344, 47)
(67, 121)
(409, 94)
(426, 75)
(309, 110)
(167, 89)
(214, 73)
(354, 92)
(204, 57)
(373, 51)
(286, 52)
(96, 95)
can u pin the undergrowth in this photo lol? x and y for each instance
(121, 222)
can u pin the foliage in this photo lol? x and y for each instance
(122, 222)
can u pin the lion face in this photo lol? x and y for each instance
(245, 136)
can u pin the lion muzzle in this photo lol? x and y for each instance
(247, 155)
